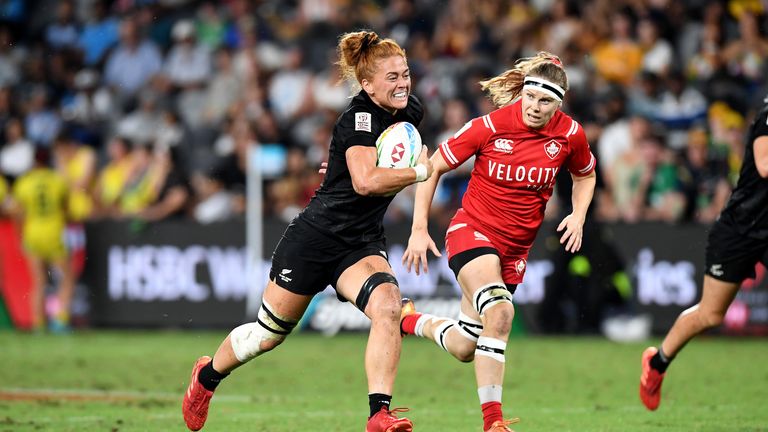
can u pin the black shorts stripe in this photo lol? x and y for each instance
(461, 259)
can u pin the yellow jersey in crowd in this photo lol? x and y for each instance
(76, 169)
(42, 195)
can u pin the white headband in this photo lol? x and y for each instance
(545, 86)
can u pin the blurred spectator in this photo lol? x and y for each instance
(659, 195)
(133, 62)
(99, 34)
(290, 91)
(42, 122)
(624, 173)
(705, 179)
(92, 106)
(657, 52)
(708, 58)
(76, 163)
(215, 203)
(63, 33)
(188, 67)
(681, 106)
(17, 154)
(10, 59)
(224, 89)
(112, 178)
(140, 188)
(746, 56)
(173, 190)
(727, 134)
(643, 98)
(142, 124)
(619, 58)
(210, 26)
(170, 131)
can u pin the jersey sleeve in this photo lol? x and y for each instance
(466, 141)
(581, 161)
(356, 127)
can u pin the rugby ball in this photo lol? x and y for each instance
(399, 146)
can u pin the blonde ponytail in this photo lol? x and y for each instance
(507, 87)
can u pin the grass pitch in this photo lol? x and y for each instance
(133, 381)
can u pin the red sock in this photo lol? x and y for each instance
(408, 326)
(491, 413)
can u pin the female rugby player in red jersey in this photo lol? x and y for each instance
(519, 150)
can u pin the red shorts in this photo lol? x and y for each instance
(463, 235)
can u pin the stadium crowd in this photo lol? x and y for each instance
(150, 107)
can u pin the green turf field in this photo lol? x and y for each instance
(133, 381)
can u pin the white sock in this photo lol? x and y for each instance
(423, 319)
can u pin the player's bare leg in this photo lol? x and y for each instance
(708, 313)
(37, 295)
(65, 292)
(285, 304)
(278, 314)
(478, 274)
(446, 333)
(382, 352)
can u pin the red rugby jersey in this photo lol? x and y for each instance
(515, 168)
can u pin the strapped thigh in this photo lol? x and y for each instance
(370, 284)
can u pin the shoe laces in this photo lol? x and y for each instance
(394, 411)
(506, 423)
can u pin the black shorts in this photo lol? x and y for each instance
(731, 256)
(306, 261)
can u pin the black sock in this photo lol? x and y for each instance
(378, 400)
(660, 361)
(209, 378)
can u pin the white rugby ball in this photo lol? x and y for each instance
(399, 146)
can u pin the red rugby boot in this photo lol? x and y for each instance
(197, 398)
(650, 381)
(386, 421)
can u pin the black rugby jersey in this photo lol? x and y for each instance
(336, 208)
(747, 208)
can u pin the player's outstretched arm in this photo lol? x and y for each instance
(420, 241)
(573, 224)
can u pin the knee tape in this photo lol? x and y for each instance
(469, 328)
(441, 331)
(246, 339)
(489, 296)
(369, 285)
(491, 347)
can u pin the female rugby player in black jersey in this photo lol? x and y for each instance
(338, 239)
